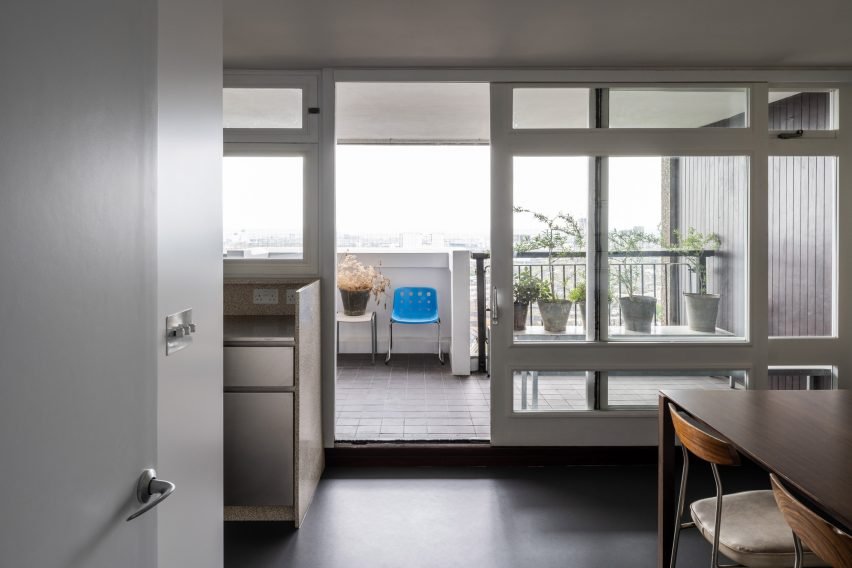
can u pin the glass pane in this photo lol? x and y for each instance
(802, 197)
(370, 192)
(262, 108)
(553, 391)
(547, 107)
(677, 241)
(812, 377)
(802, 110)
(634, 107)
(632, 389)
(549, 233)
(262, 206)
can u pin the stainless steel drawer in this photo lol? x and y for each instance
(258, 449)
(258, 366)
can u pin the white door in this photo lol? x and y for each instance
(592, 188)
(82, 287)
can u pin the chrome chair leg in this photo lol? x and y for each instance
(440, 353)
(390, 343)
(681, 497)
(714, 557)
(797, 544)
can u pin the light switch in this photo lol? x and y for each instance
(266, 295)
(179, 330)
(292, 296)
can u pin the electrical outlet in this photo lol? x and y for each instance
(291, 296)
(266, 295)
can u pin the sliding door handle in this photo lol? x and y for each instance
(147, 487)
(495, 307)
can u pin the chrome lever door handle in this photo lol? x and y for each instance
(149, 486)
(495, 307)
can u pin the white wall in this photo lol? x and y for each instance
(77, 281)
(189, 262)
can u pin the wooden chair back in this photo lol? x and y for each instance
(823, 538)
(701, 443)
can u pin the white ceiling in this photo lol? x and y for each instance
(538, 33)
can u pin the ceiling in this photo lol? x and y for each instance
(538, 33)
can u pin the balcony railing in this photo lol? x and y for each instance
(663, 275)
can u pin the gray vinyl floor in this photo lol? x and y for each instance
(416, 398)
(584, 517)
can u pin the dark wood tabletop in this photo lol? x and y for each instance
(805, 437)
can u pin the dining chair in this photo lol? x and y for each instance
(414, 306)
(746, 527)
(827, 541)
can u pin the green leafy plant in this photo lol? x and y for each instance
(527, 288)
(561, 234)
(629, 242)
(693, 246)
(578, 293)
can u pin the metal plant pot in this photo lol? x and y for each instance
(521, 311)
(702, 311)
(581, 307)
(554, 314)
(638, 312)
(354, 303)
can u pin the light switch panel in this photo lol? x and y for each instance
(266, 295)
(179, 331)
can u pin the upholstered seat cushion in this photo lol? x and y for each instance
(754, 532)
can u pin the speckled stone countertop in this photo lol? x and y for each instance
(272, 331)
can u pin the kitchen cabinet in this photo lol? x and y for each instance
(273, 453)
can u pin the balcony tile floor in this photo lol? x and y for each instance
(412, 398)
(415, 398)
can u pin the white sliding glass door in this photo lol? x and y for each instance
(624, 246)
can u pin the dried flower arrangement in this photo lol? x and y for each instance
(353, 276)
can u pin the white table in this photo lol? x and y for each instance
(367, 317)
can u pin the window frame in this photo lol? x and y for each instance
(310, 213)
(305, 82)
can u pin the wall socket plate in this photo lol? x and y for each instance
(292, 297)
(265, 296)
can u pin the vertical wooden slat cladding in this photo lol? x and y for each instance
(801, 220)
(802, 197)
(714, 199)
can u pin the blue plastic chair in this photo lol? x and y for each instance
(414, 306)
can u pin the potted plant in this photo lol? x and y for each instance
(562, 234)
(357, 283)
(526, 290)
(578, 296)
(637, 310)
(702, 309)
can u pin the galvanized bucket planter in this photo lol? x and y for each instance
(638, 312)
(702, 310)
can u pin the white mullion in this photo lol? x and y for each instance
(631, 142)
(501, 364)
(843, 238)
(757, 284)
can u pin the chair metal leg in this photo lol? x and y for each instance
(714, 557)
(390, 342)
(800, 555)
(681, 497)
(440, 353)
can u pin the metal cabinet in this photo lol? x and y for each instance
(259, 448)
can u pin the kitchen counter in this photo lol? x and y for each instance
(260, 331)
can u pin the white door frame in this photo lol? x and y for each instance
(618, 428)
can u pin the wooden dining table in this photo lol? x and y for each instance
(804, 437)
